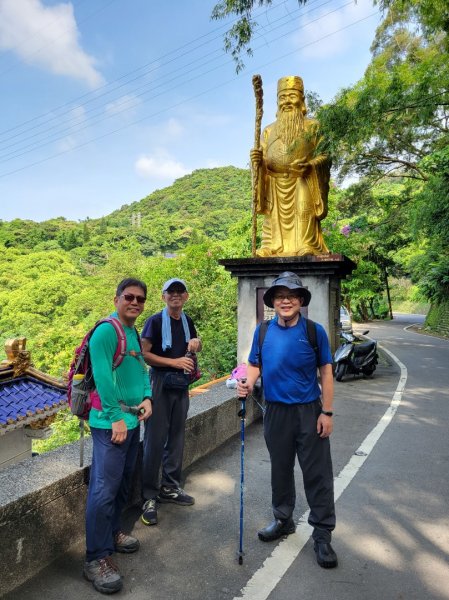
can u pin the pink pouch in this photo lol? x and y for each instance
(239, 372)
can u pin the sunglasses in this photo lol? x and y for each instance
(289, 297)
(131, 298)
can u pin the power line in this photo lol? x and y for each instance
(156, 62)
(188, 99)
(94, 96)
(128, 103)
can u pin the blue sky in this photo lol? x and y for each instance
(104, 101)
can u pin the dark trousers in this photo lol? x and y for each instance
(110, 478)
(164, 438)
(290, 432)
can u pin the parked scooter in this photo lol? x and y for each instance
(354, 356)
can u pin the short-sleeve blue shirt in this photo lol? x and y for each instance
(289, 362)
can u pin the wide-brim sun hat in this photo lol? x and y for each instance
(289, 280)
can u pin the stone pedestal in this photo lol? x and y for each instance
(320, 274)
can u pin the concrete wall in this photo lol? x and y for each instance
(14, 447)
(42, 499)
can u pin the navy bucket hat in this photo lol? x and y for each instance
(289, 280)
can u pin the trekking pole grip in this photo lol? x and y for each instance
(242, 411)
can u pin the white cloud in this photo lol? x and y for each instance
(123, 104)
(78, 115)
(67, 144)
(213, 119)
(160, 165)
(323, 28)
(46, 36)
(124, 107)
(174, 128)
(211, 163)
(165, 131)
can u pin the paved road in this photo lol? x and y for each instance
(391, 461)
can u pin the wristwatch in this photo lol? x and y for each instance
(328, 413)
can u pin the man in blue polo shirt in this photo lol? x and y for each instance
(298, 417)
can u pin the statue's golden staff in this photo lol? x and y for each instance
(258, 93)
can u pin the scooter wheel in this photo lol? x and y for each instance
(369, 372)
(340, 371)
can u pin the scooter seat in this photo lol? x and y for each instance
(364, 348)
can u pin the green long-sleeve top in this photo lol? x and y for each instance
(129, 382)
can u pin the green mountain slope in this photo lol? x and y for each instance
(201, 205)
(205, 203)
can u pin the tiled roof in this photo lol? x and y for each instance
(26, 399)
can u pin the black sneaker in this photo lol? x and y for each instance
(149, 515)
(175, 495)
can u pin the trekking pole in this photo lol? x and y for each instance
(242, 414)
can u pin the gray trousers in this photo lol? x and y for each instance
(164, 438)
(290, 432)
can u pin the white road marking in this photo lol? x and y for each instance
(264, 580)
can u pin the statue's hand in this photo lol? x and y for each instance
(256, 156)
(302, 166)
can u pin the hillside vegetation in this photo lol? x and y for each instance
(58, 277)
(196, 207)
(391, 129)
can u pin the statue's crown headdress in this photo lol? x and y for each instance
(292, 82)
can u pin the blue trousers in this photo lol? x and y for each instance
(110, 478)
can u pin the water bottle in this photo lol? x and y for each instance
(79, 395)
(188, 355)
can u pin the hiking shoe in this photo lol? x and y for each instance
(175, 495)
(276, 529)
(104, 575)
(149, 515)
(125, 543)
(325, 555)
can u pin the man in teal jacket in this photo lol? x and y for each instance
(115, 435)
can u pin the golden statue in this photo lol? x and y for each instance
(291, 177)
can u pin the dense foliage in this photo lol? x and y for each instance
(58, 277)
(390, 130)
(392, 126)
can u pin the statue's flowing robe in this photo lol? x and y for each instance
(293, 205)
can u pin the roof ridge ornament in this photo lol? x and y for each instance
(17, 355)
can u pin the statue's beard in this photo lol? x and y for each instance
(289, 125)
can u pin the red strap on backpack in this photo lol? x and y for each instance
(119, 354)
(120, 351)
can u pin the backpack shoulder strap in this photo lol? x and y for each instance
(312, 337)
(120, 351)
(262, 334)
(138, 338)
